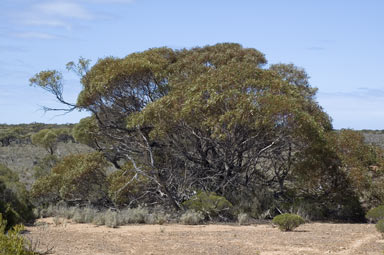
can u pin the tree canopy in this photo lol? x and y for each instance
(214, 118)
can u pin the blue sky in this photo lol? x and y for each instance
(338, 42)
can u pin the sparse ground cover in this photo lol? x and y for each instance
(314, 238)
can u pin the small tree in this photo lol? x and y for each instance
(80, 178)
(45, 138)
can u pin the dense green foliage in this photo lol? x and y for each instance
(125, 186)
(210, 204)
(375, 214)
(11, 242)
(380, 226)
(14, 201)
(287, 221)
(87, 132)
(80, 178)
(218, 119)
(349, 172)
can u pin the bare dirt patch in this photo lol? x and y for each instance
(315, 238)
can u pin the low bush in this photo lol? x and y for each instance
(380, 227)
(79, 216)
(99, 219)
(157, 218)
(192, 217)
(66, 212)
(110, 219)
(243, 218)
(375, 214)
(133, 215)
(287, 221)
(89, 214)
(14, 202)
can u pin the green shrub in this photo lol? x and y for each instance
(375, 214)
(209, 204)
(14, 202)
(79, 178)
(287, 221)
(192, 217)
(12, 243)
(380, 227)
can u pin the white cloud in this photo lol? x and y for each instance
(63, 9)
(60, 14)
(38, 21)
(35, 35)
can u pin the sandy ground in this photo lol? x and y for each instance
(263, 239)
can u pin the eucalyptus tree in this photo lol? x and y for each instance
(214, 118)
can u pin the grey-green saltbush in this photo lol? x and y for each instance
(157, 218)
(89, 214)
(243, 218)
(99, 219)
(111, 219)
(133, 215)
(79, 216)
(67, 212)
(192, 217)
(288, 221)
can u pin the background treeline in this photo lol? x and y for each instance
(21, 133)
(208, 133)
